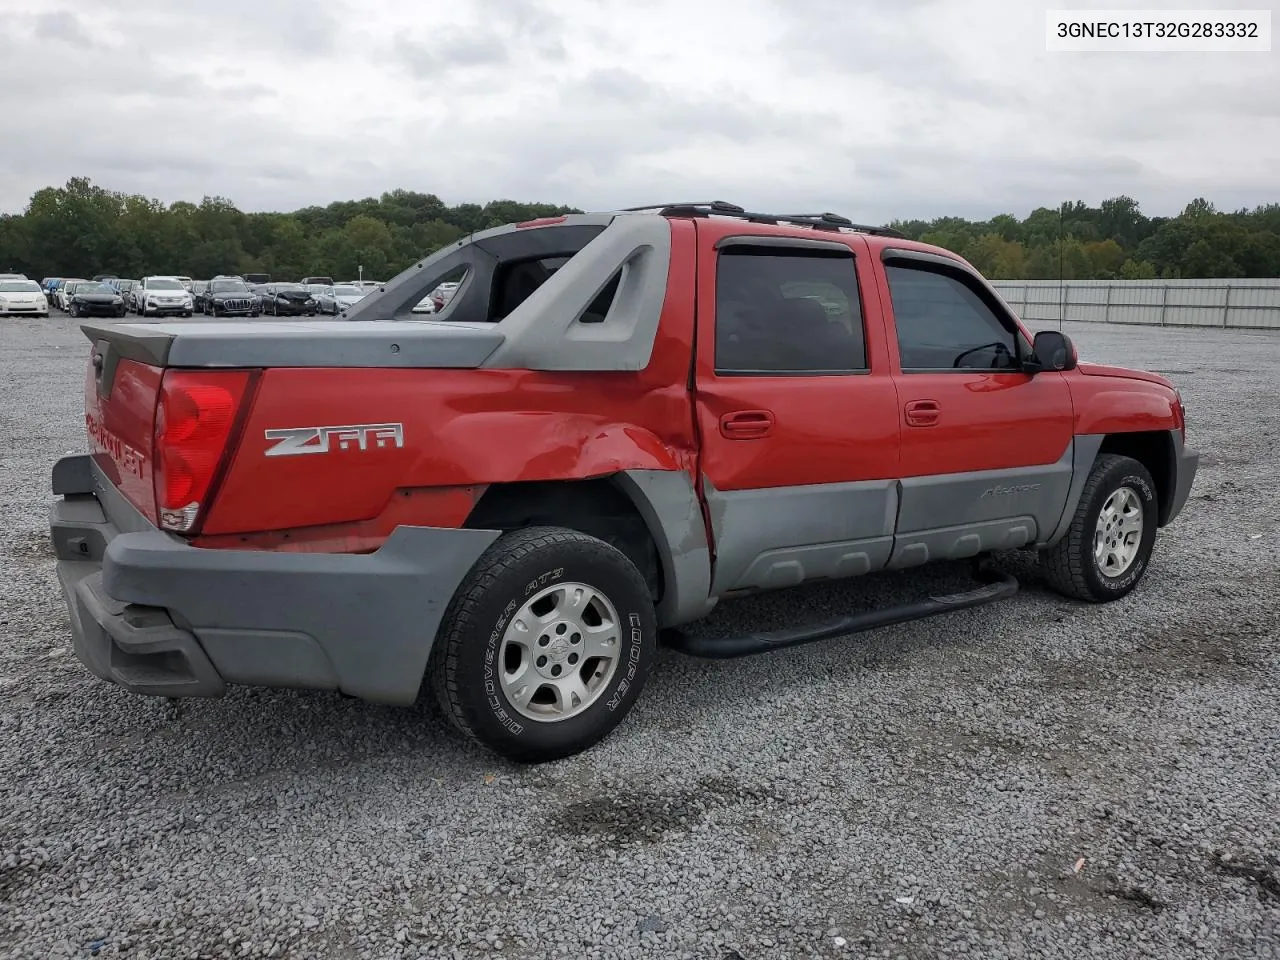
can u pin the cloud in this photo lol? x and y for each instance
(918, 108)
(60, 25)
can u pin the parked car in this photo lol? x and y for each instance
(589, 465)
(442, 294)
(256, 279)
(321, 281)
(93, 298)
(22, 297)
(186, 282)
(230, 298)
(49, 286)
(198, 287)
(161, 296)
(426, 305)
(66, 289)
(288, 300)
(338, 297)
(125, 289)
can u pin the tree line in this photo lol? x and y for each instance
(82, 229)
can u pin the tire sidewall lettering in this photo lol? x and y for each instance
(622, 682)
(1126, 581)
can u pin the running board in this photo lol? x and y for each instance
(1000, 586)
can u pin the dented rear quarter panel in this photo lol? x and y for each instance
(463, 429)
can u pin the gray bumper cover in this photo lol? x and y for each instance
(1187, 463)
(160, 617)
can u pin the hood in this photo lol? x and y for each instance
(232, 295)
(96, 297)
(21, 297)
(1123, 373)
(293, 294)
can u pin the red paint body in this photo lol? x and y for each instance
(467, 429)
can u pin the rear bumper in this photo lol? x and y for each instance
(159, 617)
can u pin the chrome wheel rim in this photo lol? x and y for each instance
(560, 652)
(1117, 537)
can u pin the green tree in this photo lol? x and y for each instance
(79, 229)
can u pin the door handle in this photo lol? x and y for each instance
(923, 413)
(746, 424)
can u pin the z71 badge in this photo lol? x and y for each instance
(362, 436)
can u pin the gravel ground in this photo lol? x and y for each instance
(925, 791)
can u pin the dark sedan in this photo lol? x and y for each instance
(94, 299)
(288, 300)
(230, 298)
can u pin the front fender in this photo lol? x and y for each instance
(1121, 407)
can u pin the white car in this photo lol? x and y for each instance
(338, 297)
(66, 288)
(22, 297)
(425, 305)
(157, 296)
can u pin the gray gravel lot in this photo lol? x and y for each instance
(924, 791)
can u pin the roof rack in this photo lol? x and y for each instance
(817, 221)
(717, 206)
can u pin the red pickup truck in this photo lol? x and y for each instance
(616, 422)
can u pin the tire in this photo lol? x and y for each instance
(525, 567)
(1072, 566)
(120, 312)
(73, 311)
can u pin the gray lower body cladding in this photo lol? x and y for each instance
(160, 617)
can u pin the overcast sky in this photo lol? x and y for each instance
(874, 109)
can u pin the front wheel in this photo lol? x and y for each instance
(73, 310)
(1107, 547)
(545, 646)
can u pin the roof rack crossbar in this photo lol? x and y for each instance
(722, 206)
(817, 221)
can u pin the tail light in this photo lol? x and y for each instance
(197, 414)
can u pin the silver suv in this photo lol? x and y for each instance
(161, 296)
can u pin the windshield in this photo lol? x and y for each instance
(19, 286)
(343, 290)
(163, 283)
(228, 286)
(93, 288)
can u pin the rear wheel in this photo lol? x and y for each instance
(546, 645)
(1108, 545)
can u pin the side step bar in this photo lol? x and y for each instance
(997, 586)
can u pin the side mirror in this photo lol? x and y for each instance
(1052, 350)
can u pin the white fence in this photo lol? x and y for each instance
(1241, 304)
